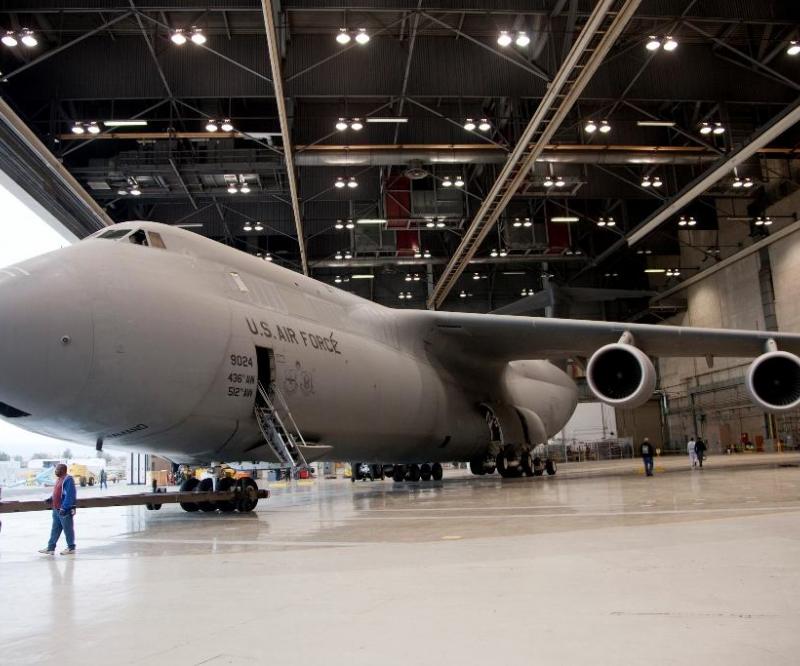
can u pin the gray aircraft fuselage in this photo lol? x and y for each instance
(155, 349)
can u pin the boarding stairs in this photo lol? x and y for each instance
(280, 432)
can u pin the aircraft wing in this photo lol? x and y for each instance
(507, 338)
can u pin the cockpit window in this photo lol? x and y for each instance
(113, 234)
(138, 237)
(156, 240)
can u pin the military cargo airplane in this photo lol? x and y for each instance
(152, 338)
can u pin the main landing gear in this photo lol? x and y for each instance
(230, 495)
(512, 465)
(415, 472)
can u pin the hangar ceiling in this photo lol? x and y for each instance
(431, 106)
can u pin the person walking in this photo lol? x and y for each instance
(647, 456)
(103, 479)
(699, 451)
(690, 450)
(62, 504)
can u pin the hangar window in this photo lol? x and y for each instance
(114, 234)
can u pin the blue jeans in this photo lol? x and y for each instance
(61, 523)
(648, 465)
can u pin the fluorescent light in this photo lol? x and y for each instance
(655, 270)
(190, 225)
(387, 120)
(655, 123)
(568, 218)
(362, 276)
(513, 272)
(125, 123)
(371, 221)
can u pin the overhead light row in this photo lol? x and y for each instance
(611, 275)
(520, 38)
(344, 224)
(573, 252)
(341, 182)
(422, 254)
(405, 296)
(526, 222)
(482, 125)
(794, 48)
(673, 272)
(684, 221)
(479, 276)
(463, 294)
(667, 42)
(438, 223)
(354, 124)
(709, 128)
(742, 182)
(413, 277)
(26, 36)
(346, 254)
(345, 36)
(502, 252)
(236, 185)
(655, 182)
(591, 127)
(179, 36)
(527, 292)
(763, 221)
(91, 127)
(224, 125)
(339, 279)
(458, 182)
(131, 188)
(266, 256)
(606, 222)
(253, 226)
(550, 181)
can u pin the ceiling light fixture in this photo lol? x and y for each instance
(27, 37)
(549, 182)
(517, 223)
(226, 125)
(469, 125)
(341, 125)
(564, 218)
(646, 181)
(653, 43)
(356, 125)
(125, 123)
(387, 120)
(462, 294)
(77, 128)
(339, 225)
(339, 183)
(366, 220)
(447, 182)
(349, 225)
(178, 37)
(718, 128)
(211, 126)
(459, 181)
(737, 183)
(748, 182)
(362, 37)
(93, 128)
(9, 39)
(504, 39)
(655, 123)
(258, 226)
(484, 125)
(197, 36)
(247, 226)
(522, 39)
(343, 37)
(352, 183)
(604, 128)
(232, 189)
(670, 43)
(560, 182)
(657, 182)
(655, 270)
(590, 127)
(527, 222)
(794, 48)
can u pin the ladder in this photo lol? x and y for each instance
(283, 442)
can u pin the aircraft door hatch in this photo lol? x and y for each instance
(265, 358)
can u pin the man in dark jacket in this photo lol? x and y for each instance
(62, 503)
(647, 452)
(700, 450)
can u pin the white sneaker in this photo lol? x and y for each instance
(47, 551)
(68, 551)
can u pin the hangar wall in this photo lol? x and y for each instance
(758, 292)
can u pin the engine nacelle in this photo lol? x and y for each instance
(621, 375)
(773, 381)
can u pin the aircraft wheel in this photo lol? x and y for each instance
(550, 466)
(490, 470)
(526, 463)
(476, 466)
(413, 472)
(503, 468)
(226, 506)
(399, 473)
(378, 473)
(186, 487)
(437, 472)
(425, 472)
(206, 485)
(538, 466)
(248, 494)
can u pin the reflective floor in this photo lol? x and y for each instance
(598, 565)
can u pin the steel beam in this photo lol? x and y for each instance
(280, 101)
(591, 44)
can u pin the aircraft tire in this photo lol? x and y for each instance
(437, 472)
(526, 463)
(206, 485)
(248, 495)
(425, 472)
(490, 470)
(550, 466)
(476, 467)
(538, 467)
(413, 472)
(186, 487)
(226, 506)
(399, 473)
(503, 468)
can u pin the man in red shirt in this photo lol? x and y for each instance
(63, 505)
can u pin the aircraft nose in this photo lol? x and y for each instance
(45, 338)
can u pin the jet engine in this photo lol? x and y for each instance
(773, 381)
(621, 375)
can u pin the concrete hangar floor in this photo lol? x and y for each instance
(597, 565)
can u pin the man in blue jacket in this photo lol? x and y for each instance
(63, 505)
